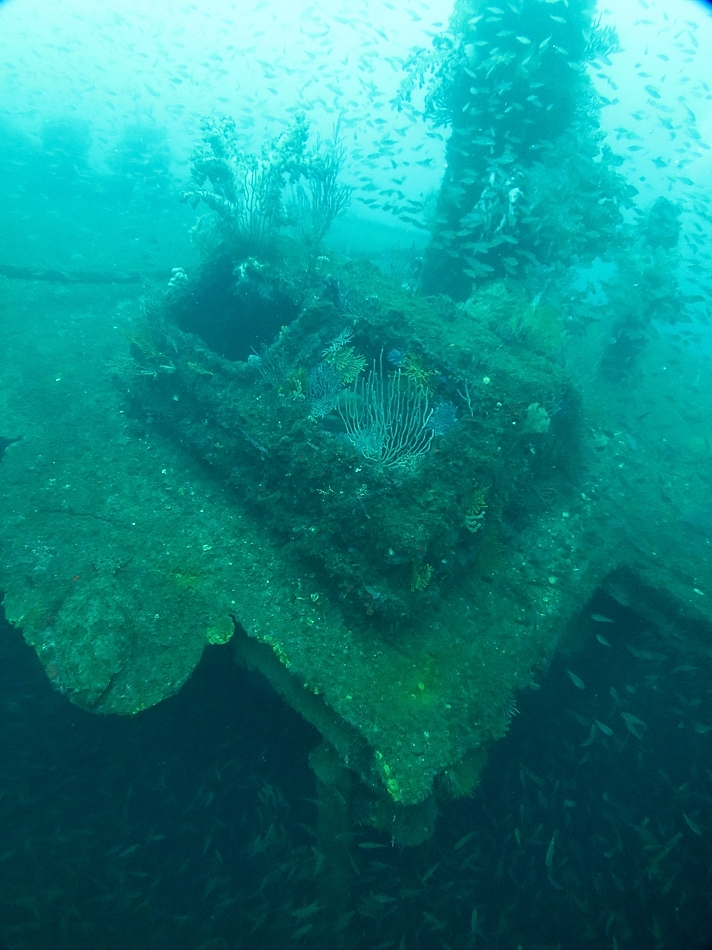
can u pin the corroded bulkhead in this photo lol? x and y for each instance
(391, 441)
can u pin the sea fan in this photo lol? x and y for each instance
(347, 364)
(416, 372)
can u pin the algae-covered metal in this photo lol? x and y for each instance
(388, 481)
(124, 554)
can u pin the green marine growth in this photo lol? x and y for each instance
(530, 188)
(255, 196)
(644, 290)
(388, 487)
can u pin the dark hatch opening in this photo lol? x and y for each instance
(234, 309)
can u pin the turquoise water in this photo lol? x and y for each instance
(543, 166)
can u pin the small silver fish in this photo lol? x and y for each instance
(549, 859)
(576, 680)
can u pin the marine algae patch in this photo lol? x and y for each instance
(382, 436)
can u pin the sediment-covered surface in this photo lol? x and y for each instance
(124, 555)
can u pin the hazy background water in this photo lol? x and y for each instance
(100, 106)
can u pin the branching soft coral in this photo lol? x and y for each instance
(253, 196)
